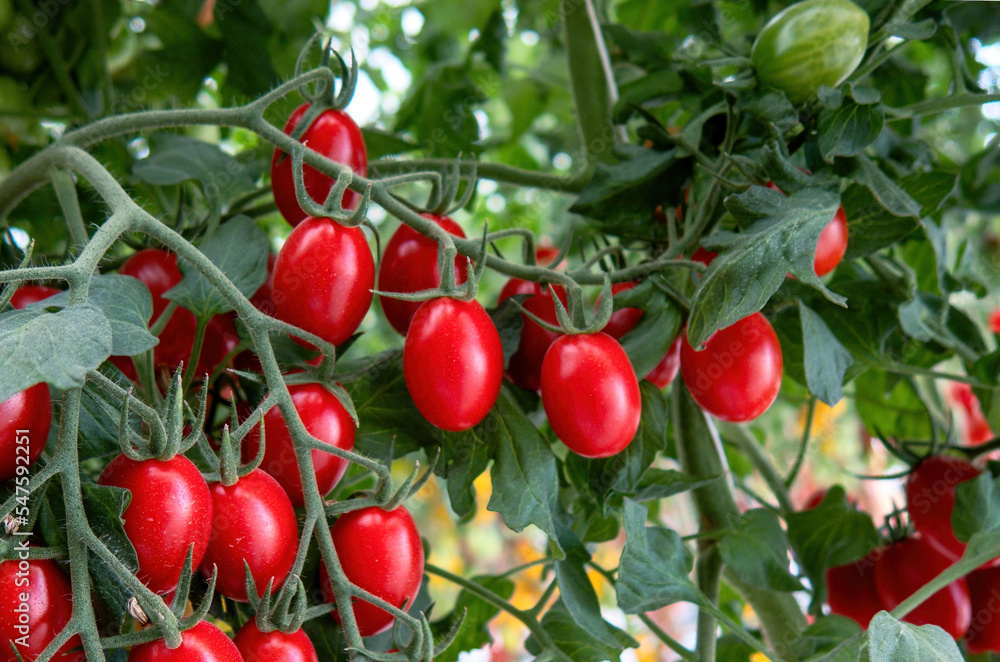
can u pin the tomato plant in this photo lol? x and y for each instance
(930, 500)
(25, 419)
(37, 605)
(257, 646)
(983, 634)
(851, 590)
(202, 643)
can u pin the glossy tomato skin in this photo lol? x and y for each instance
(410, 264)
(453, 363)
(666, 370)
(832, 243)
(622, 320)
(323, 279)
(29, 294)
(170, 510)
(738, 374)
(50, 606)
(380, 551)
(334, 135)
(590, 394)
(326, 419)
(984, 633)
(851, 590)
(252, 520)
(810, 43)
(930, 498)
(525, 365)
(30, 410)
(908, 564)
(202, 643)
(257, 646)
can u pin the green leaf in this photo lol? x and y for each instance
(177, 158)
(885, 190)
(492, 41)
(648, 341)
(128, 306)
(829, 535)
(977, 507)
(825, 360)
(757, 550)
(104, 507)
(572, 639)
(325, 635)
(58, 348)
(580, 600)
(379, 143)
(186, 56)
(893, 641)
(245, 32)
(659, 484)
(891, 406)
(508, 320)
(849, 129)
(439, 110)
(474, 632)
(655, 566)
(830, 639)
(524, 475)
(390, 425)
(780, 237)
(466, 455)
(239, 248)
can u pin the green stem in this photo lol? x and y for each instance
(803, 445)
(754, 452)
(498, 172)
(670, 642)
(199, 339)
(708, 574)
(65, 189)
(932, 106)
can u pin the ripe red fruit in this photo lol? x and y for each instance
(202, 643)
(908, 564)
(525, 365)
(704, 256)
(622, 320)
(30, 410)
(832, 243)
(453, 363)
(984, 633)
(324, 418)
(170, 510)
(29, 294)
(380, 552)
(410, 264)
(334, 135)
(323, 279)
(738, 374)
(851, 590)
(930, 498)
(994, 321)
(666, 370)
(50, 606)
(975, 427)
(276, 646)
(252, 521)
(590, 394)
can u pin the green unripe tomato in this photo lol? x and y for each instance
(810, 43)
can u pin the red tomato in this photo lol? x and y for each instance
(257, 646)
(738, 374)
(994, 321)
(380, 552)
(326, 419)
(30, 410)
(930, 498)
(252, 520)
(907, 565)
(984, 633)
(171, 510)
(704, 256)
(453, 363)
(622, 320)
(334, 135)
(40, 587)
(975, 427)
(525, 365)
(202, 643)
(666, 370)
(410, 264)
(29, 294)
(590, 394)
(851, 590)
(832, 243)
(323, 279)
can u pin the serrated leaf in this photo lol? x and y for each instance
(830, 639)
(439, 109)
(977, 507)
(475, 632)
(104, 507)
(655, 565)
(757, 550)
(239, 249)
(892, 406)
(893, 641)
(58, 348)
(508, 320)
(824, 359)
(659, 484)
(576, 642)
(884, 189)
(390, 426)
(580, 599)
(176, 158)
(649, 340)
(849, 129)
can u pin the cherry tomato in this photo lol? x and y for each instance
(257, 646)
(202, 643)
(984, 633)
(975, 428)
(908, 564)
(410, 264)
(930, 498)
(832, 243)
(622, 320)
(30, 410)
(665, 371)
(704, 256)
(157, 270)
(252, 521)
(334, 135)
(326, 419)
(590, 394)
(994, 321)
(42, 588)
(525, 365)
(738, 374)
(323, 279)
(380, 552)
(170, 510)
(29, 294)
(851, 590)
(453, 363)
